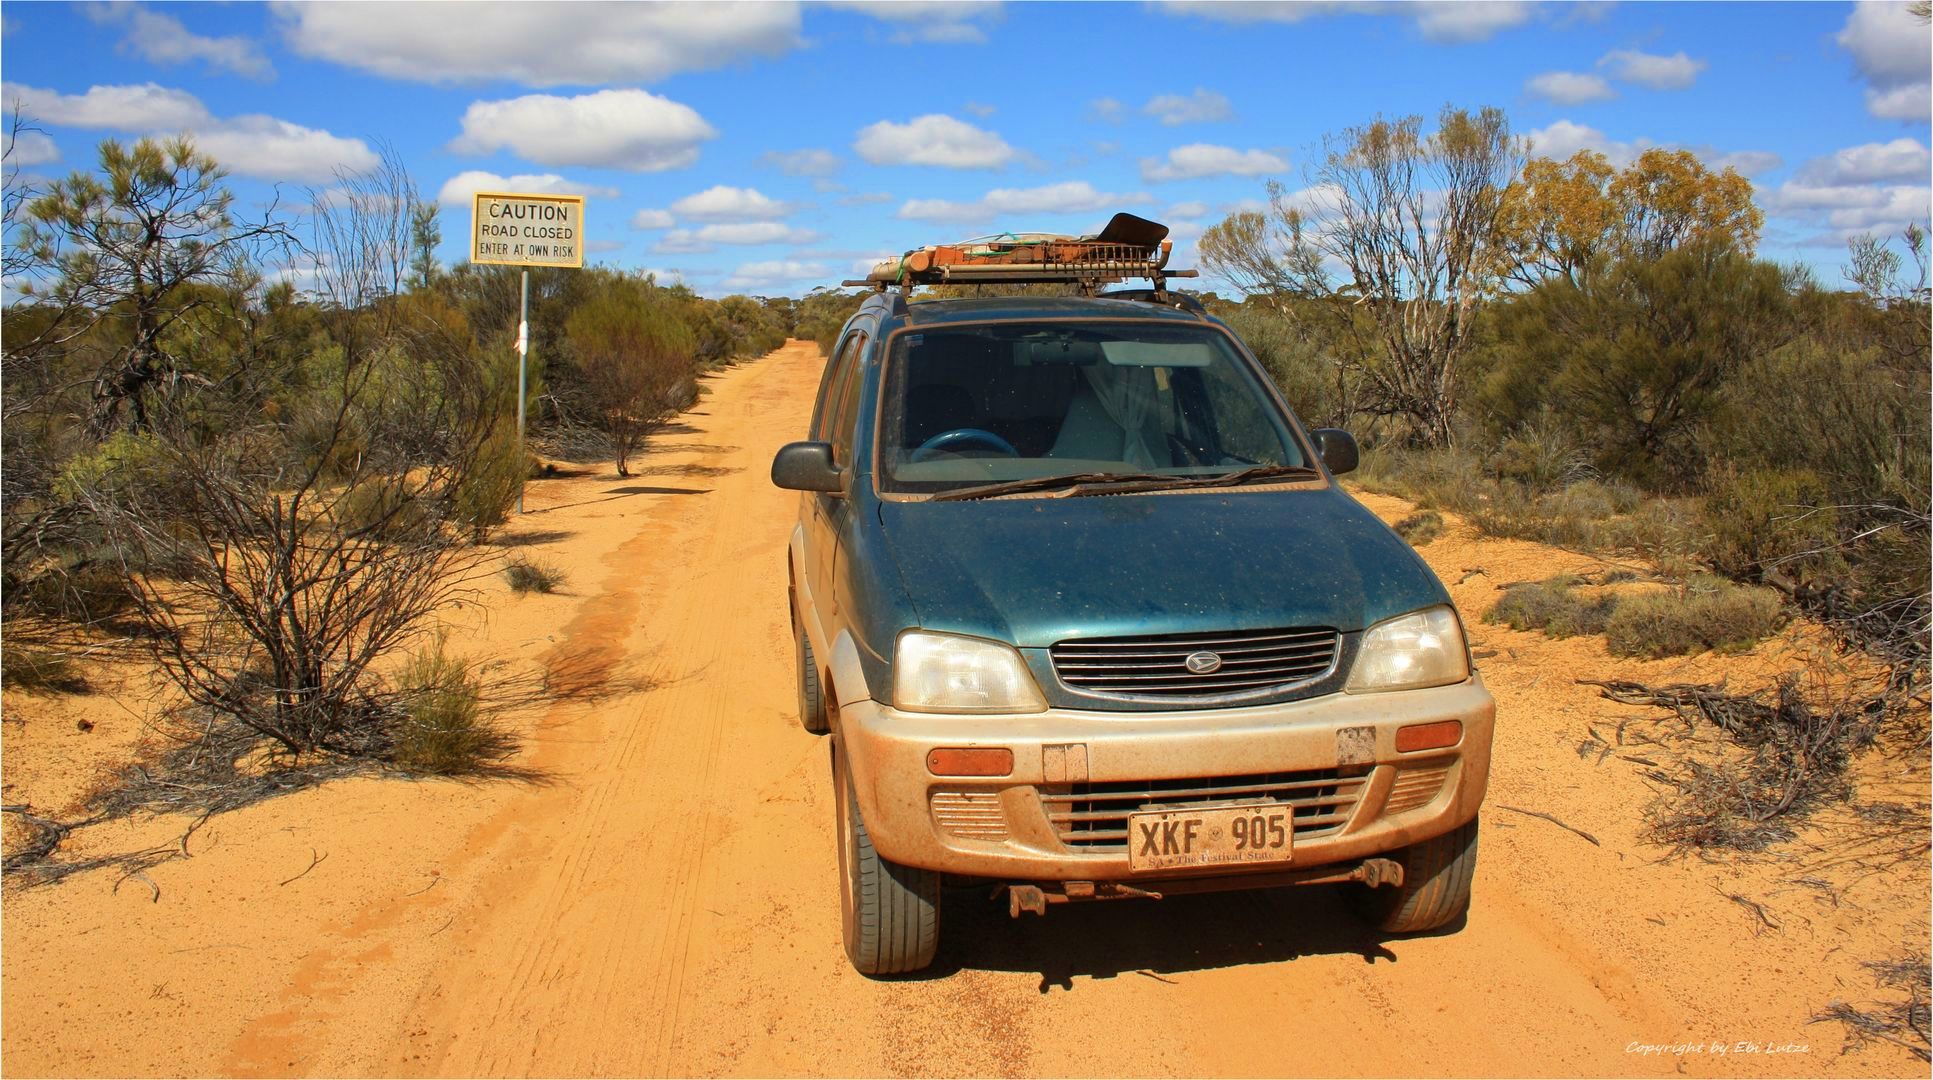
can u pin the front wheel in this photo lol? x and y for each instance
(812, 701)
(890, 914)
(1435, 889)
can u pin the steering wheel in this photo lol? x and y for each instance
(945, 442)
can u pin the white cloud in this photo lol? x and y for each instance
(652, 219)
(1901, 159)
(810, 162)
(1446, 21)
(271, 149)
(979, 109)
(162, 39)
(1107, 110)
(1188, 210)
(1569, 87)
(615, 129)
(722, 203)
(1849, 209)
(554, 44)
(458, 189)
(1889, 47)
(1202, 106)
(934, 22)
(143, 107)
(744, 232)
(1564, 138)
(1675, 72)
(1203, 159)
(253, 145)
(933, 139)
(866, 198)
(1913, 101)
(775, 272)
(1074, 196)
(30, 148)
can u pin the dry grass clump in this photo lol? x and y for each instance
(528, 576)
(1420, 528)
(41, 671)
(1552, 606)
(1705, 613)
(440, 729)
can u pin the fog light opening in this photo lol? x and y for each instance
(1428, 736)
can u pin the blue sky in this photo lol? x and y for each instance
(773, 147)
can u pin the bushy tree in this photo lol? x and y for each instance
(634, 359)
(1412, 220)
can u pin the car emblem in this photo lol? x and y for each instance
(1203, 663)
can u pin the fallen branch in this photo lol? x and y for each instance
(1553, 821)
(314, 861)
(1752, 906)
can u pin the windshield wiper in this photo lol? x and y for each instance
(1045, 483)
(1129, 483)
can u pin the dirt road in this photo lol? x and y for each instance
(664, 900)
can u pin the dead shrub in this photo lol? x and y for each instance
(440, 728)
(528, 576)
(1903, 1021)
(1420, 528)
(41, 671)
(1553, 607)
(1705, 613)
(1796, 757)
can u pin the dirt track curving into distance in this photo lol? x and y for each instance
(663, 899)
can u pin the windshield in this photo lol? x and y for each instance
(1016, 401)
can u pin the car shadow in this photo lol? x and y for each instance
(1153, 939)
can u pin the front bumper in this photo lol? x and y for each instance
(1339, 749)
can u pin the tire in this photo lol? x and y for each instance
(812, 702)
(1435, 889)
(889, 914)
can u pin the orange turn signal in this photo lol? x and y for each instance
(1428, 736)
(963, 761)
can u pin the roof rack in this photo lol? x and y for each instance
(1130, 247)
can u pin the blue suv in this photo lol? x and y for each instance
(1086, 614)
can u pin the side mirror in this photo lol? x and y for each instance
(807, 466)
(1338, 449)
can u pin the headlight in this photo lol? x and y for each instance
(949, 673)
(1424, 648)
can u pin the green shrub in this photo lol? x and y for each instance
(486, 493)
(1420, 528)
(1706, 613)
(1552, 606)
(526, 576)
(440, 729)
(40, 671)
(1772, 518)
(391, 509)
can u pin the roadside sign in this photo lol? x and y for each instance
(511, 229)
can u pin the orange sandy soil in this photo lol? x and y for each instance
(664, 901)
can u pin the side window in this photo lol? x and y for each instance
(837, 370)
(845, 417)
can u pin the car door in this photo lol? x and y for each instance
(828, 511)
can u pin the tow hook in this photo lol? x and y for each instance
(1035, 899)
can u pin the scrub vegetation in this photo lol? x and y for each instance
(263, 449)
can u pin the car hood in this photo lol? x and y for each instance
(1035, 571)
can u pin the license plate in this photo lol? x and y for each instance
(1210, 836)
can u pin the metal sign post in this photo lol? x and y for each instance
(509, 229)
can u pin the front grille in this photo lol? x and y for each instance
(1094, 817)
(1414, 788)
(1156, 666)
(975, 815)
